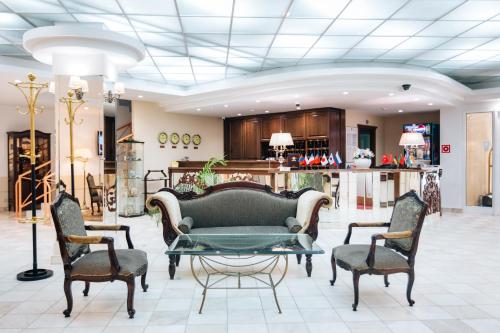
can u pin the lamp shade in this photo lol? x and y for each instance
(281, 139)
(412, 139)
(75, 82)
(84, 85)
(83, 153)
(52, 87)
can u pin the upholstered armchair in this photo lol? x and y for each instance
(80, 264)
(95, 193)
(396, 256)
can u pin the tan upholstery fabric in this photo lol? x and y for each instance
(171, 204)
(306, 204)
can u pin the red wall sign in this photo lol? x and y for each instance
(445, 149)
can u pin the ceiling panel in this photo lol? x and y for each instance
(229, 38)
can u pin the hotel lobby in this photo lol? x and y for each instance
(249, 166)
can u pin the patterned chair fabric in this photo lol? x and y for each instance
(405, 217)
(132, 263)
(353, 257)
(71, 220)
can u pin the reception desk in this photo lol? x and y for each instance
(365, 189)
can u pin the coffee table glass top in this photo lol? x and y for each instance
(244, 244)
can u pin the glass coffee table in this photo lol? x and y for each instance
(241, 256)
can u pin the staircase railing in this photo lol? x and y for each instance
(47, 183)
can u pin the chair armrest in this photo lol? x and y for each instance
(363, 225)
(113, 260)
(370, 260)
(112, 227)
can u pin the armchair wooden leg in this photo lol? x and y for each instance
(86, 290)
(69, 297)
(411, 279)
(299, 258)
(144, 285)
(130, 298)
(386, 280)
(334, 270)
(171, 265)
(355, 280)
(309, 265)
(177, 260)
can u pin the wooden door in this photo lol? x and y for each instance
(317, 124)
(252, 139)
(236, 135)
(269, 126)
(295, 125)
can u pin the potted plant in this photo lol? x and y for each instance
(362, 158)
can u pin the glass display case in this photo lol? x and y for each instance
(130, 178)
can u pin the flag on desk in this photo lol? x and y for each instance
(310, 160)
(331, 160)
(338, 160)
(317, 160)
(324, 160)
(302, 161)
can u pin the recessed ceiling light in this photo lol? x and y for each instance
(345, 93)
(140, 96)
(239, 114)
(225, 105)
(297, 102)
(430, 104)
(198, 109)
(257, 101)
(416, 99)
(86, 107)
(267, 111)
(296, 96)
(391, 94)
(400, 110)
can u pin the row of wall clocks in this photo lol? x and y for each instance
(175, 138)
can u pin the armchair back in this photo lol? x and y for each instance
(408, 215)
(94, 193)
(68, 220)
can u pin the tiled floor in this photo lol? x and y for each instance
(456, 288)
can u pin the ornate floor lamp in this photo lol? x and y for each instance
(31, 90)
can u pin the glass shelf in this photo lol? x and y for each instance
(130, 173)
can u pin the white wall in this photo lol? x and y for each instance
(13, 121)
(148, 120)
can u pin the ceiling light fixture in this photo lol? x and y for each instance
(416, 99)
(400, 111)
(113, 95)
(257, 101)
(345, 93)
(225, 105)
(391, 94)
(140, 96)
(198, 109)
(252, 110)
(430, 104)
(239, 114)
(267, 111)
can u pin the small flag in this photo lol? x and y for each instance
(324, 160)
(310, 160)
(302, 161)
(317, 160)
(338, 160)
(331, 160)
(385, 159)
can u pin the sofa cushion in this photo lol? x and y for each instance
(239, 207)
(242, 230)
(186, 224)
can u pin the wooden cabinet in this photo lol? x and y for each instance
(317, 124)
(251, 146)
(295, 125)
(235, 137)
(270, 125)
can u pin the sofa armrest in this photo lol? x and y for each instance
(186, 224)
(293, 225)
(169, 208)
(308, 207)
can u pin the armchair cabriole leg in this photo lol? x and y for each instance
(299, 258)
(334, 270)
(177, 260)
(86, 290)
(144, 285)
(130, 297)
(309, 265)
(411, 279)
(69, 297)
(386, 280)
(355, 281)
(171, 265)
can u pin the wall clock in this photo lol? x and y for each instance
(174, 138)
(162, 138)
(196, 139)
(186, 139)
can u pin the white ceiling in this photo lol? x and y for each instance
(191, 42)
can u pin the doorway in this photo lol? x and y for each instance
(367, 138)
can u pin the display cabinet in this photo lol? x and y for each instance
(130, 178)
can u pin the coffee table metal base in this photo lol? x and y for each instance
(217, 271)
